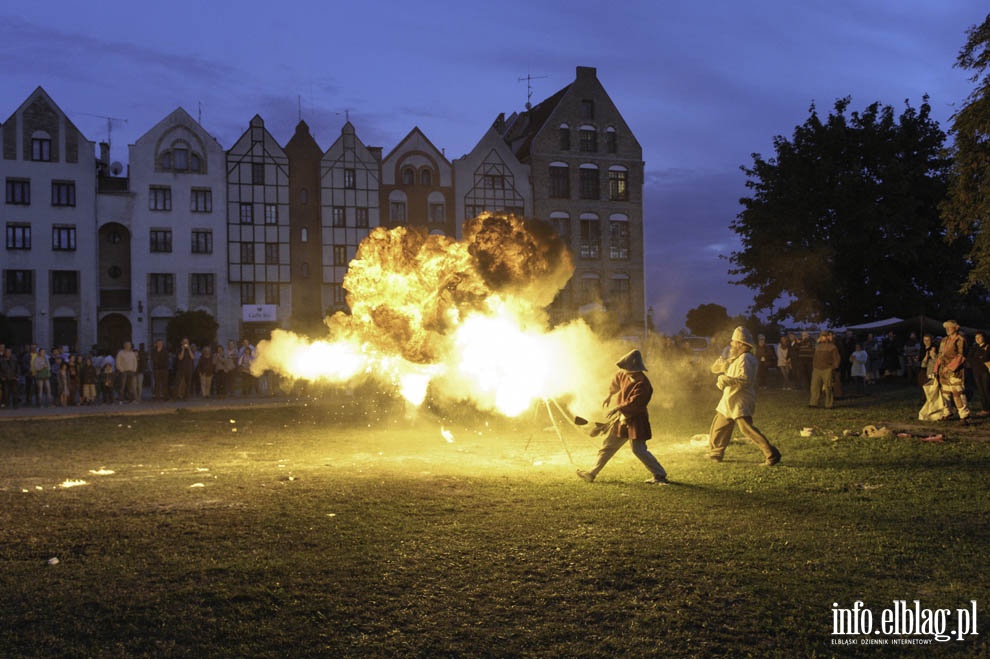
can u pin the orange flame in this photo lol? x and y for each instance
(464, 319)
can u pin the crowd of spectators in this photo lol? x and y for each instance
(36, 377)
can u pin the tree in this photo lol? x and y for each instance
(198, 326)
(966, 209)
(707, 319)
(843, 224)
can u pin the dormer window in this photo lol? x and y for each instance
(180, 158)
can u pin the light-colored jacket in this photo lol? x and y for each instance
(738, 385)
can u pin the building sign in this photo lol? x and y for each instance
(259, 313)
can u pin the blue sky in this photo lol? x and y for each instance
(702, 84)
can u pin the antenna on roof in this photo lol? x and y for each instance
(110, 121)
(529, 78)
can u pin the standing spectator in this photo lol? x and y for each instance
(629, 393)
(74, 364)
(223, 366)
(127, 366)
(805, 357)
(976, 361)
(159, 370)
(27, 369)
(784, 360)
(892, 350)
(912, 358)
(873, 349)
(205, 369)
(142, 355)
(848, 346)
(107, 381)
(244, 361)
(87, 378)
(184, 363)
(824, 363)
(738, 402)
(41, 370)
(764, 360)
(9, 368)
(950, 371)
(857, 372)
(63, 382)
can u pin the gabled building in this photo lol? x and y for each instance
(587, 174)
(304, 156)
(491, 178)
(417, 186)
(171, 249)
(49, 288)
(258, 233)
(351, 193)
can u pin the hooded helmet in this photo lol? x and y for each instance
(633, 361)
(742, 335)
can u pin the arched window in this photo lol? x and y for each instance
(611, 140)
(408, 176)
(565, 137)
(425, 177)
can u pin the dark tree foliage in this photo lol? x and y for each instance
(843, 222)
(707, 319)
(198, 326)
(966, 209)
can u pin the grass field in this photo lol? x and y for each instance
(323, 530)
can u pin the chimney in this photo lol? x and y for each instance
(587, 72)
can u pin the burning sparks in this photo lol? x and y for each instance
(463, 320)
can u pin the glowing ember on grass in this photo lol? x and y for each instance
(72, 483)
(459, 320)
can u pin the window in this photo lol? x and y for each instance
(18, 236)
(618, 237)
(160, 198)
(619, 294)
(618, 185)
(202, 241)
(247, 252)
(337, 295)
(561, 223)
(161, 283)
(201, 283)
(338, 216)
(247, 292)
(591, 238)
(304, 196)
(350, 179)
(19, 191)
(303, 235)
(64, 238)
(271, 253)
(63, 193)
(589, 183)
(565, 137)
(247, 213)
(180, 159)
(587, 109)
(65, 282)
(19, 282)
(589, 290)
(560, 187)
(589, 140)
(340, 254)
(202, 200)
(41, 149)
(361, 216)
(426, 177)
(258, 173)
(271, 293)
(611, 140)
(437, 213)
(271, 214)
(161, 240)
(408, 176)
(397, 211)
(495, 181)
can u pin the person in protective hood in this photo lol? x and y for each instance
(737, 382)
(628, 395)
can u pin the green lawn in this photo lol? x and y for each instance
(324, 530)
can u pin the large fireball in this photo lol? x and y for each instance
(464, 319)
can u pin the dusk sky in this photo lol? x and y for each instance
(703, 85)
